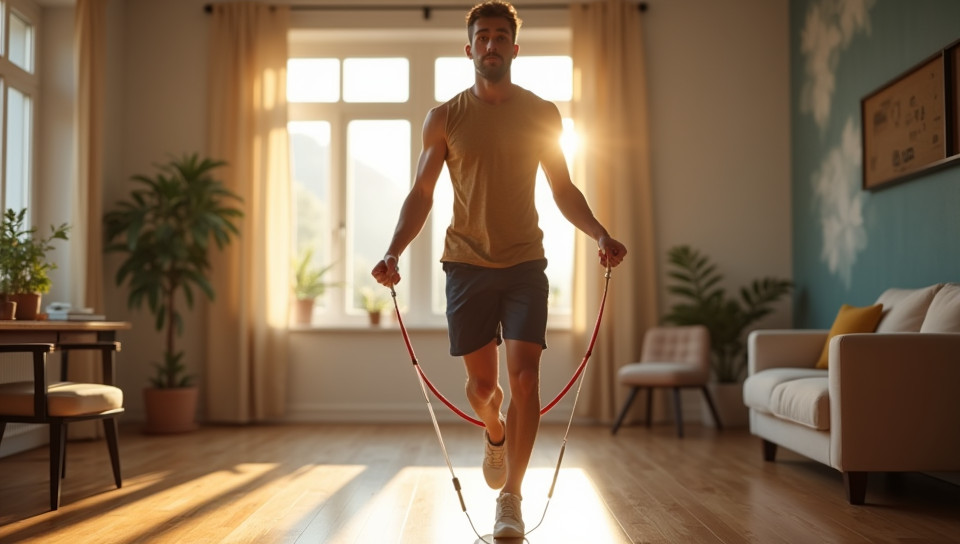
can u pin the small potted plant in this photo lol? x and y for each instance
(374, 304)
(165, 230)
(308, 285)
(703, 302)
(24, 268)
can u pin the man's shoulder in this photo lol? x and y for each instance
(532, 99)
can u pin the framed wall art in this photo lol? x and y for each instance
(910, 125)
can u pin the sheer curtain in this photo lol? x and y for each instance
(89, 35)
(245, 374)
(610, 111)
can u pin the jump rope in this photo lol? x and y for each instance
(426, 384)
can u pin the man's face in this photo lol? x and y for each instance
(492, 48)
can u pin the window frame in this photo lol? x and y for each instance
(28, 84)
(421, 48)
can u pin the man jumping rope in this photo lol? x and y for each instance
(492, 137)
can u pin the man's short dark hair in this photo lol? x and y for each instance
(494, 8)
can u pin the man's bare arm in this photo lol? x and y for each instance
(573, 205)
(416, 207)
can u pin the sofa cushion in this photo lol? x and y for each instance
(851, 319)
(758, 388)
(805, 401)
(944, 312)
(904, 309)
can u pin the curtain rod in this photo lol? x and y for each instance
(642, 6)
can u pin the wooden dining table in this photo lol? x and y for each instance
(59, 331)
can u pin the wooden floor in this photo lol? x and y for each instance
(379, 484)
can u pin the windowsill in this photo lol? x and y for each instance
(365, 328)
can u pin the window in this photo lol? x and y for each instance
(356, 111)
(18, 87)
(21, 41)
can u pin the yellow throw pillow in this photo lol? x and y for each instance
(851, 319)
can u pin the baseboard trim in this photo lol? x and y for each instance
(383, 413)
(27, 437)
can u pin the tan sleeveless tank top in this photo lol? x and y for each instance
(493, 152)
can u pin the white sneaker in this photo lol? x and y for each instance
(509, 520)
(494, 460)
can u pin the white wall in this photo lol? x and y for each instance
(719, 119)
(719, 77)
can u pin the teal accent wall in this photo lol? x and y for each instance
(849, 244)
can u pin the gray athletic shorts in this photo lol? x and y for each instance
(484, 304)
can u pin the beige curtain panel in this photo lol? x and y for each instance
(610, 110)
(246, 366)
(86, 233)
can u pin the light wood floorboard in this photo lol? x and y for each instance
(333, 484)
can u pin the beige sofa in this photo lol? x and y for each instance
(888, 402)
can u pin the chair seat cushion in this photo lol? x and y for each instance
(64, 398)
(758, 388)
(654, 374)
(805, 401)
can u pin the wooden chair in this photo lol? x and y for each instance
(61, 403)
(671, 357)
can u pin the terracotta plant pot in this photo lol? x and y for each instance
(28, 305)
(171, 410)
(304, 311)
(374, 319)
(8, 310)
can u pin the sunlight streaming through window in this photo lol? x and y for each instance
(354, 122)
(363, 80)
(313, 80)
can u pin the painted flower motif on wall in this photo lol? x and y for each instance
(828, 29)
(840, 201)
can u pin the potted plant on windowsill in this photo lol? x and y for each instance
(24, 268)
(165, 230)
(308, 285)
(696, 281)
(374, 304)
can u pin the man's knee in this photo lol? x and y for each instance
(525, 383)
(481, 389)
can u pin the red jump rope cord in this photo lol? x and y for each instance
(545, 409)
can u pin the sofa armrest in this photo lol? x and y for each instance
(894, 402)
(775, 348)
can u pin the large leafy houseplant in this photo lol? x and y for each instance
(165, 229)
(703, 302)
(24, 267)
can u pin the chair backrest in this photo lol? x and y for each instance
(677, 344)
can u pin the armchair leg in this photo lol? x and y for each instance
(678, 412)
(856, 484)
(649, 406)
(63, 468)
(110, 429)
(769, 451)
(713, 408)
(58, 437)
(623, 412)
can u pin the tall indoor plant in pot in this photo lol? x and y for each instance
(24, 268)
(695, 280)
(165, 230)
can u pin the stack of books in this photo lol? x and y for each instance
(62, 312)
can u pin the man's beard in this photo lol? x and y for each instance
(492, 73)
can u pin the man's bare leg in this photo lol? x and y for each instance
(523, 414)
(483, 388)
